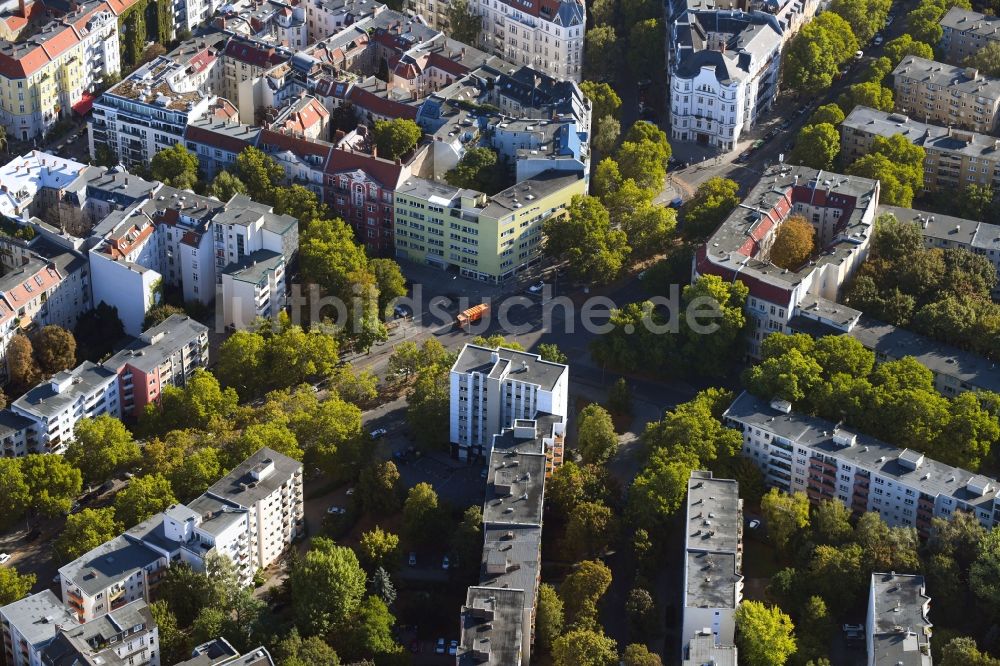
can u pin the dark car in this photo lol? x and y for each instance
(771, 134)
(785, 124)
(744, 156)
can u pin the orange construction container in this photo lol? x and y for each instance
(475, 313)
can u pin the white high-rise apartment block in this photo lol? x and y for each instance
(713, 545)
(491, 388)
(250, 516)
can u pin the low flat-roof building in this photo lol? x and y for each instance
(897, 630)
(30, 624)
(713, 544)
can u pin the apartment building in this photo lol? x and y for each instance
(947, 94)
(546, 35)
(30, 624)
(724, 75)
(965, 33)
(39, 629)
(486, 238)
(218, 143)
(126, 635)
(328, 17)
(799, 453)
(56, 406)
(713, 546)
(955, 370)
(523, 385)
(954, 158)
(218, 652)
(149, 110)
(164, 355)
(948, 232)
(360, 188)
(250, 516)
(842, 211)
(24, 294)
(897, 630)
(498, 618)
(52, 73)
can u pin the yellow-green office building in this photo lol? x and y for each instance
(485, 238)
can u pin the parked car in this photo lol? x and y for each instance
(753, 524)
(444, 563)
(537, 287)
(105, 487)
(744, 156)
(878, 40)
(757, 144)
(335, 510)
(412, 561)
(484, 473)
(4, 558)
(401, 311)
(771, 134)
(858, 55)
(378, 433)
(453, 648)
(785, 124)
(676, 202)
(350, 491)
(439, 647)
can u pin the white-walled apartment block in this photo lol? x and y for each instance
(490, 389)
(148, 111)
(897, 628)
(842, 212)
(799, 453)
(545, 34)
(250, 516)
(713, 548)
(218, 652)
(39, 630)
(56, 406)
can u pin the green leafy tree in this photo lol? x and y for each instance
(886, 548)
(590, 530)
(53, 483)
(785, 514)
(584, 647)
(379, 549)
(791, 376)
(963, 651)
(14, 490)
(174, 643)
(898, 164)
(986, 59)
(658, 491)
(196, 472)
(186, 592)
(22, 368)
(643, 161)
(987, 564)
(551, 352)
(645, 53)
(395, 138)
(85, 531)
(900, 47)
(870, 94)
(301, 203)
(606, 133)
(175, 166)
(585, 239)
(581, 590)
(14, 586)
(428, 406)
(845, 565)
(766, 635)
(831, 114)
(711, 204)
(144, 497)
(293, 650)
(201, 404)
(259, 173)
(603, 99)
(477, 170)
(650, 230)
(831, 522)
(638, 654)
(159, 313)
(379, 488)
(600, 52)
(596, 436)
(464, 24)
(620, 397)
(866, 17)
(976, 201)
(101, 447)
(421, 513)
(55, 349)
(816, 53)
(370, 633)
(814, 629)
(695, 427)
(793, 243)
(327, 586)
(641, 611)
(817, 146)
(390, 282)
(878, 69)
(548, 616)
(226, 185)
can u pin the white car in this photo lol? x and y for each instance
(453, 648)
(445, 563)
(754, 524)
(878, 40)
(537, 287)
(350, 491)
(439, 647)
(336, 510)
(4, 558)
(379, 432)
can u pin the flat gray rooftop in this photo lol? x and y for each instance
(107, 564)
(491, 627)
(35, 617)
(901, 629)
(84, 379)
(514, 488)
(930, 477)
(702, 650)
(893, 342)
(242, 489)
(157, 344)
(524, 366)
(711, 580)
(714, 517)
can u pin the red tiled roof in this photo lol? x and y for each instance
(385, 172)
(380, 106)
(272, 140)
(447, 64)
(253, 55)
(769, 292)
(31, 288)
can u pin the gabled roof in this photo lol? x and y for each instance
(385, 172)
